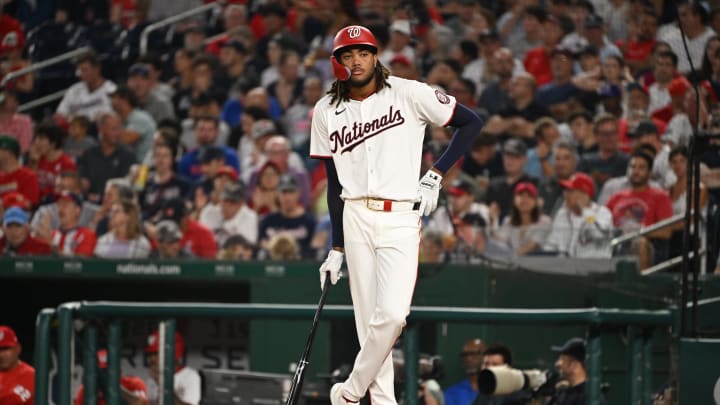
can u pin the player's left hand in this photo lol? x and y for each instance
(429, 192)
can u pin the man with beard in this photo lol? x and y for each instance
(369, 129)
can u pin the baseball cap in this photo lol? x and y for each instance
(211, 153)
(643, 127)
(167, 231)
(574, 347)
(678, 86)
(139, 69)
(70, 196)
(262, 128)
(401, 26)
(15, 199)
(288, 182)
(580, 181)
(8, 142)
(401, 59)
(227, 171)
(236, 45)
(233, 192)
(526, 187)
(564, 50)
(610, 90)
(460, 187)
(489, 33)
(153, 344)
(593, 21)
(15, 215)
(589, 49)
(514, 146)
(635, 86)
(8, 338)
(174, 209)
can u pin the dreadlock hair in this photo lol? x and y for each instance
(340, 91)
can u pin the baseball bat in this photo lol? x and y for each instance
(297, 380)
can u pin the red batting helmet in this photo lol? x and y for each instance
(153, 344)
(353, 35)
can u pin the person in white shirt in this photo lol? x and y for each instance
(91, 95)
(581, 228)
(232, 216)
(400, 37)
(693, 17)
(665, 68)
(186, 381)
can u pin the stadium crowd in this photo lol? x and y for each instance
(199, 148)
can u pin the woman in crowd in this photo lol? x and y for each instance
(524, 231)
(124, 240)
(264, 196)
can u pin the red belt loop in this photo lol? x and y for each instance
(387, 205)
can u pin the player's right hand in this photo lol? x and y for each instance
(331, 265)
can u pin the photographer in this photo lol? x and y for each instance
(571, 366)
(499, 355)
(465, 391)
(430, 370)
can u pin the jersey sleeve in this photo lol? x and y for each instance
(432, 105)
(319, 137)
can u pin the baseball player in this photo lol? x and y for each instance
(369, 130)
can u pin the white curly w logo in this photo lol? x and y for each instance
(353, 32)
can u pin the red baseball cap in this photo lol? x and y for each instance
(153, 344)
(15, 199)
(227, 170)
(580, 181)
(459, 187)
(527, 187)
(678, 86)
(8, 338)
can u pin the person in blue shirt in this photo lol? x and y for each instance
(206, 132)
(465, 391)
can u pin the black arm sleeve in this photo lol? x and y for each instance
(335, 204)
(468, 126)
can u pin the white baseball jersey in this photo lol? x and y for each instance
(376, 144)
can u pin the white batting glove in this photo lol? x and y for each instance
(429, 192)
(331, 265)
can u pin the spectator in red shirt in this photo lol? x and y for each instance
(17, 378)
(133, 390)
(71, 239)
(638, 47)
(47, 157)
(13, 176)
(537, 60)
(13, 123)
(642, 205)
(197, 239)
(17, 239)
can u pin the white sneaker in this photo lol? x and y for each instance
(337, 397)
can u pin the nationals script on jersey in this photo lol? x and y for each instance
(376, 144)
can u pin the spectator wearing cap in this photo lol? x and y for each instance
(664, 70)
(537, 60)
(138, 125)
(237, 248)
(291, 218)
(196, 239)
(46, 217)
(518, 118)
(156, 66)
(608, 161)
(401, 66)
(558, 94)
(296, 119)
(13, 123)
(141, 83)
(589, 61)
(611, 99)
(483, 161)
(124, 239)
(163, 184)
(564, 164)
(496, 95)
(206, 133)
(400, 39)
(108, 160)
(500, 192)
(47, 158)
(581, 228)
(288, 87)
(463, 219)
(524, 230)
(70, 239)
(637, 47)
(642, 205)
(539, 159)
(168, 237)
(203, 105)
(231, 216)
(678, 129)
(694, 18)
(187, 385)
(594, 33)
(16, 239)
(570, 364)
(17, 377)
(13, 175)
(133, 390)
(91, 95)
(211, 161)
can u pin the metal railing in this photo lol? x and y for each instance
(172, 20)
(639, 323)
(42, 100)
(42, 65)
(647, 229)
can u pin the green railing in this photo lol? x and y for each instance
(639, 323)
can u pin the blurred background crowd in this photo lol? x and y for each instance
(194, 142)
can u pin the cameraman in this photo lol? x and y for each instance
(571, 366)
(498, 355)
(465, 391)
